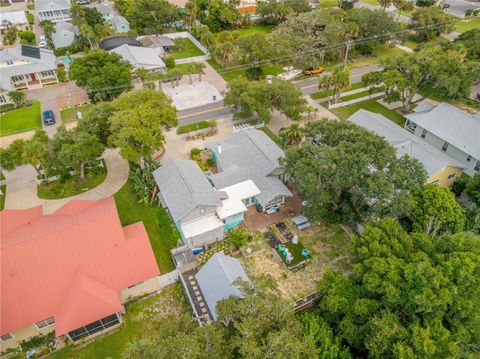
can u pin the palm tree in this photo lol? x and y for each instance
(338, 80)
(199, 66)
(143, 75)
(384, 3)
(17, 97)
(293, 134)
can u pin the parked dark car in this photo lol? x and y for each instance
(48, 117)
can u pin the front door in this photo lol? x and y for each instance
(32, 76)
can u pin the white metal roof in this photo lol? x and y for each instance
(13, 17)
(202, 225)
(236, 193)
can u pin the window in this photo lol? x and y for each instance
(469, 158)
(424, 133)
(450, 176)
(94, 327)
(202, 210)
(9, 62)
(445, 146)
(3, 99)
(477, 166)
(6, 337)
(44, 323)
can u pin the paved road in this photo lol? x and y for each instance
(217, 109)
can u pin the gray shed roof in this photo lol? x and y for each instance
(155, 40)
(51, 5)
(183, 186)
(404, 142)
(103, 8)
(453, 125)
(216, 280)
(250, 154)
(118, 20)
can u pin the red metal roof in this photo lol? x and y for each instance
(68, 264)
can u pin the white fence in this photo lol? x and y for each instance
(356, 100)
(187, 35)
(168, 278)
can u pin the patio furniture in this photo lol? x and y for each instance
(272, 210)
(295, 239)
(305, 253)
(281, 247)
(305, 225)
(301, 222)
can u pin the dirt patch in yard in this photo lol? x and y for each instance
(329, 247)
(170, 303)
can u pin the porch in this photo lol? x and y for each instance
(32, 82)
(256, 221)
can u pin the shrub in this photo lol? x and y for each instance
(473, 188)
(149, 85)
(459, 185)
(254, 73)
(61, 75)
(62, 51)
(6, 107)
(237, 237)
(211, 162)
(195, 152)
(30, 18)
(27, 37)
(10, 36)
(169, 62)
(203, 166)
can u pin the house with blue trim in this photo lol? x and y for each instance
(204, 206)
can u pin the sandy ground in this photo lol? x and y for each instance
(187, 95)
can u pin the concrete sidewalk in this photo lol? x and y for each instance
(22, 187)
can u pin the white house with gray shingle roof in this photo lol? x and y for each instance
(251, 155)
(451, 130)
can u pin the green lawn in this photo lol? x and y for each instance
(273, 137)
(467, 24)
(161, 231)
(184, 48)
(380, 51)
(370, 105)
(2, 197)
(229, 75)
(328, 3)
(296, 251)
(260, 28)
(411, 44)
(21, 120)
(358, 95)
(68, 114)
(72, 186)
(371, 2)
(196, 126)
(143, 319)
(323, 94)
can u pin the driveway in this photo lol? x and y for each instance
(56, 97)
(22, 187)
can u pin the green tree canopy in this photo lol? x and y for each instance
(435, 211)
(337, 81)
(347, 173)
(430, 22)
(137, 121)
(153, 16)
(258, 98)
(274, 12)
(104, 75)
(471, 41)
(410, 295)
(311, 38)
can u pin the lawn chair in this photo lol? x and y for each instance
(305, 253)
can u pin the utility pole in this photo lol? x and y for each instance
(349, 46)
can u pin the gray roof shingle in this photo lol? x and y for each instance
(51, 5)
(184, 186)
(453, 125)
(216, 280)
(250, 154)
(404, 142)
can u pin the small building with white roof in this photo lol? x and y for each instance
(142, 57)
(16, 19)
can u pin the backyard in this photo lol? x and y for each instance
(184, 48)
(21, 119)
(161, 231)
(328, 245)
(142, 317)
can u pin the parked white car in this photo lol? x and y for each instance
(290, 73)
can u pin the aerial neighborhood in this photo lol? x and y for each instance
(239, 179)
